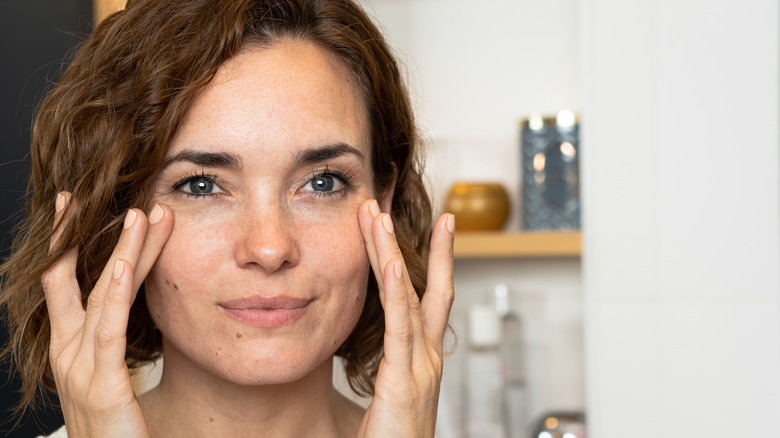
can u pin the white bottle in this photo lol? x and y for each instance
(484, 385)
(514, 398)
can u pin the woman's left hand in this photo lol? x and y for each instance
(407, 384)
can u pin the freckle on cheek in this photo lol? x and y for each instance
(175, 286)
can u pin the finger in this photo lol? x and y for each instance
(127, 248)
(440, 292)
(383, 232)
(60, 286)
(366, 214)
(387, 252)
(160, 225)
(111, 330)
(399, 330)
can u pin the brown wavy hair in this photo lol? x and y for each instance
(103, 131)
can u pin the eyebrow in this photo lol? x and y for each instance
(205, 159)
(228, 160)
(326, 152)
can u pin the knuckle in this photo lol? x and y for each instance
(403, 333)
(47, 280)
(115, 297)
(414, 301)
(435, 365)
(58, 368)
(96, 298)
(104, 336)
(51, 278)
(93, 302)
(72, 380)
(449, 295)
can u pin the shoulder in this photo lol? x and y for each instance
(59, 433)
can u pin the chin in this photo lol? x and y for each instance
(252, 362)
(271, 370)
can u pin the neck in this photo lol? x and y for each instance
(190, 401)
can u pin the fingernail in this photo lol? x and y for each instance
(130, 218)
(59, 204)
(156, 215)
(373, 207)
(451, 223)
(387, 223)
(398, 270)
(119, 268)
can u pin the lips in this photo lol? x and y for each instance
(258, 311)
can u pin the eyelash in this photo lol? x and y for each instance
(342, 175)
(193, 177)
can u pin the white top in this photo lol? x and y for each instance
(59, 433)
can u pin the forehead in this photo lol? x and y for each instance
(286, 97)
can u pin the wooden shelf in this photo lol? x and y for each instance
(470, 245)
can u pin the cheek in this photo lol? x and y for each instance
(332, 243)
(189, 256)
(201, 253)
(197, 245)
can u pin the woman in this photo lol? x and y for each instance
(216, 181)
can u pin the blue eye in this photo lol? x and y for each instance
(198, 186)
(324, 184)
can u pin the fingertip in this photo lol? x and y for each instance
(394, 274)
(130, 218)
(167, 213)
(365, 218)
(373, 208)
(398, 270)
(156, 215)
(446, 222)
(60, 202)
(119, 269)
(387, 224)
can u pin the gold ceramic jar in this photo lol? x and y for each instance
(478, 206)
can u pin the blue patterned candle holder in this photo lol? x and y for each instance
(550, 162)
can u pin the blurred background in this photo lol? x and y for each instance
(658, 314)
(668, 321)
(35, 36)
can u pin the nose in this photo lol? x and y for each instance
(267, 239)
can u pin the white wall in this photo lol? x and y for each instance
(681, 169)
(476, 69)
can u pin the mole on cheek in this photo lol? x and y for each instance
(238, 335)
(175, 286)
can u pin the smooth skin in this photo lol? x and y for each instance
(88, 345)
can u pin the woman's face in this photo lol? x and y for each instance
(265, 273)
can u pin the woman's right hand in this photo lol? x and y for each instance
(87, 347)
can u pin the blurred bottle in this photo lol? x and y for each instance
(514, 393)
(560, 425)
(484, 384)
